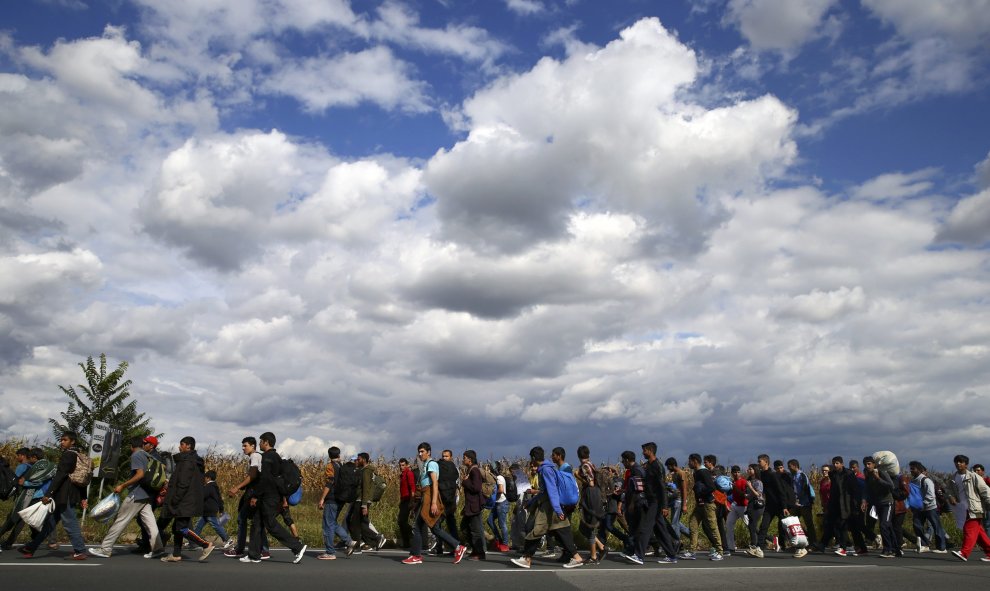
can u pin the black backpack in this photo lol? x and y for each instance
(511, 492)
(290, 479)
(347, 483)
(8, 482)
(447, 481)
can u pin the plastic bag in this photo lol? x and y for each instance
(795, 532)
(224, 519)
(36, 514)
(887, 462)
(106, 509)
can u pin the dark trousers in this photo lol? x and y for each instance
(663, 531)
(755, 518)
(180, 530)
(473, 529)
(268, 507)
(808, 515)
(608, 526)
(646, 519)
(246, 514)
(885, 517)
(449, 521)
(405, 530)
(721, 514)
(563, 535)
(769, 514)
(420, 533)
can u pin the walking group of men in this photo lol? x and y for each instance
(645, 497)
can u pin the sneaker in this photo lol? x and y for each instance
(632, 558)
(800, 553)
(755, 552)
(959, 555)
(886, 555)
(365, 547)
(154, 554)
(574, 563)
(229, 544)
(943, 551)
(232, 553)
(381, 542)
(53, 546)
(300, 554)
(206, 552)
(923, 549)
(521, 562)
(413, 560)
(501, 547)
(715, 556)
(99, 553)
(350, 548)
(25, 553)
(249, 559)
(603, 555)
(266, 555)
(326, 556)
(726, 554)
(77, 556)
(171, 558)
(841, 552)
(984, 559)
(687, 556)
(667, 560)
(459, 553)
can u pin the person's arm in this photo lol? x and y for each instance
(252, 476)
(683, 487)
(551, 492)
(66, 464)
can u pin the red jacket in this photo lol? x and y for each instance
(407, 484)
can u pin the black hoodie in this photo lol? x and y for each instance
(185, 488)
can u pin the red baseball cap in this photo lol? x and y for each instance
(152, 440)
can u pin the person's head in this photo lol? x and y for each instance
(978, 468)
(826, 471)
(709, 460)
(869, 464)
(150, 443)
(470, 458)
(68, 439)
(961, 462)
(854, 465)
(583, 453)
(649, 450)
(363, 459)
(36, 454)
(267, 441)
(210, 475)
(137, 443)
(403, 464)
(670, 463)
(557, 455)
(496, 467)
(752, 471)
(447, 455)
(736, 472)
(838, 463)
(423, 451)
(536, 456)
(764, 461)
(333, 453)
(628, 458)
(778, 466)
(793, 466)
(916, 467)
(187, 443)
(694, 461)
(249, 445)
(22, 454)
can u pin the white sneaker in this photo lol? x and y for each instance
(99, 552)
(800, 553)
(300, 555)
(574, 563)
(520, 562)
(923, 549)
(247, 558)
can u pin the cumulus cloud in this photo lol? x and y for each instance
(524, 7)
(896, 185)
(778, 25)
(969, 221)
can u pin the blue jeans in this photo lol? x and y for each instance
(331, 527)
(502, 511)
(931, 517)
(214, 521)
(675, 519)
(67, 515)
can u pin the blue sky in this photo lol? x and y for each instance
(657, 219)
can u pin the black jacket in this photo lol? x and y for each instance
(62, 490)
(844, 497)
(212, 500)
(879, 489)
(704, 486)
(271, 468)
(185, 488)
(773, 490)
(655, 490)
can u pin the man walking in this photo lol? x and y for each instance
(432, 504)
(137, 503)
(184, 500)
(473, 504)
(928, 514)
(407, 488)
(704, 510)
(328, 504)
(267, 498)
(246, 512)
(969, 496)
(804, 495)
(547, 517)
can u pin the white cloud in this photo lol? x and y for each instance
(969, 221)
(962, 22)
(525, 7)
(896, 185)
(778, 25)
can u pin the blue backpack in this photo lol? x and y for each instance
(723, 483)
(916, 498)
(567, 488)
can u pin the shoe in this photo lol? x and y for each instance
(755, 552)
(53, 546)
(959, 555)
(886, 555)
(574, 563)
(249, 559)
(923, 549)
(154, 554)
(501, 547)
(350, 548)
(603, 555)
(232, 553)
(326, 556)
(381, 542)
(413, 560)
(726, 554)
(715, 556)
(841, 552)
(800, 553)
(985, 559)
(171, 558)
(206, 552)
(943, 551)
(77, 556)
(632, 558)
(687, 556)
(667, 560)
(520, 562)
(25, 553)
(266, 555)
(365, 547)
(862, 552)
(459, 553)
(229, 544)
(99, 553)
(300, 554)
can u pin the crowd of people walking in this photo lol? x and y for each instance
(531, 506)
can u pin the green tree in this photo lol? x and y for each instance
(103, 398)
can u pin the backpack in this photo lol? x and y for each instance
(723, 483)
(511, 490)
(900, 492)
(155, 477)
(8, 482)
(447, 479)
(290, 480)
(378, 487)
(346, 483)
(567, 488)
(83, 472)
(941, 498)
(915, 497)
(489, 488)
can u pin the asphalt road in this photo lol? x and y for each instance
(373, 571)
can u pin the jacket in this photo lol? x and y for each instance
(185, 488)
(654, 488)
(704, 486)
(367, 484)
(546, 504)
(212, 499)
(927, 486)
(271, 468)
(804, 493)
(878, 489)
(473, 503)
(975, 491)
(773, 490)
(844, 492)
(407, 484)
(63, 491)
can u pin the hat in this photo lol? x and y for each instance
(353, 459)
(152, 440)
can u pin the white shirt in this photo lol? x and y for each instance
(500, 483)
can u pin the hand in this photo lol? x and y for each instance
(118, 488)
(561, 517)
(45, 500)
(787, 513)
(232, 492)
(20, 481)
(321, 505)
(254, 502)
(285, 502)
(364, 511)
(85, 503)
(434, 510)
(863, 506)
(665, 512)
